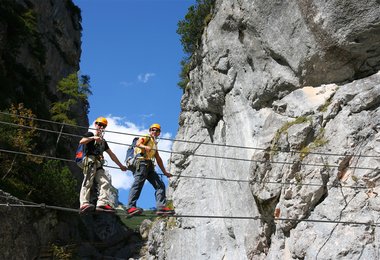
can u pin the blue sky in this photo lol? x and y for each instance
(132, 53)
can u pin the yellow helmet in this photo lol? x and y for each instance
(155, 126)
(101, 120)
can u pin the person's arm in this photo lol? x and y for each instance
(116, 160)
(87, 139)
(161, 165)
(140, 144)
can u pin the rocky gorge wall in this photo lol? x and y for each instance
(40, 43)
(296, 85)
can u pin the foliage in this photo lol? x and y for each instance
(184, 74)
(135, 222)
(27, 176)
(23, 137)
(73, 91)
(19, 138)
(54, 184)
(14, 167)
(61, 252)
(324, 107)
(191, 29)
(319, 141)
(284, 129)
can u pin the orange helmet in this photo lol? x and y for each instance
(102, 121)
(155, 126)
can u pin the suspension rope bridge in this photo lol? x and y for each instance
(44, 206)
(168, 139)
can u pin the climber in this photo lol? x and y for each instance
(93, 169)
(146, 149)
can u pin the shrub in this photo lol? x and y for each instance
(73, 91)
(54, 184)
(26, 176)
(191, 29)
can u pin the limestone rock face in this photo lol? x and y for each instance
(296, 85)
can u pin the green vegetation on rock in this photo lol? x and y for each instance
(72, 90)
(26, 176)
(191, 29)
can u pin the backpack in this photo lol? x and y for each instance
(80, 155)
(131, 157)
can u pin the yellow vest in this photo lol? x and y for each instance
(148, 141)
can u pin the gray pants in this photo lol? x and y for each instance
(145, 171)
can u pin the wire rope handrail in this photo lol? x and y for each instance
(44, 206)
(186, 141)
(204, 177)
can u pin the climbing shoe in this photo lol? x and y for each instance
(165, 211)
(85, 208)
(105, 208)
(134, 211)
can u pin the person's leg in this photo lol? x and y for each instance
(104, 186)
(135, 191)
(88, 180)
(159, 186)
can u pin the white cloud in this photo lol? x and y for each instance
(144, 78)
(120, 179)
(126, 84)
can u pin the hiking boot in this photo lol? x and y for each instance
(165, 211)
(85, 208)
(134, 211)
(105, 208)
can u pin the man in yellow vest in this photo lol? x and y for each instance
(147, 154)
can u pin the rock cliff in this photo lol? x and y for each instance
(283, 111)
(40, 44)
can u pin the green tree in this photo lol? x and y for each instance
(15, 167)
(191, 29)
(17, 138)
(27, 176)
(73, 90)
(54, 184)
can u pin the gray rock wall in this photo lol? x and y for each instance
(297, 79)
(32, 231)
(40, 44)
(23, 229)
